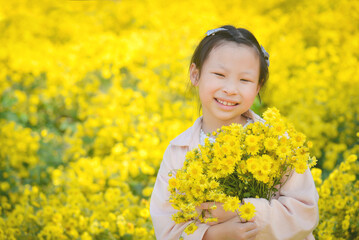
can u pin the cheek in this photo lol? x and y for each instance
(251, 93)
(202, 93)
(208, 88)
(205, 94)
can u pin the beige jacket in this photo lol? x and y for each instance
(292, 214)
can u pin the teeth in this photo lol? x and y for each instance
(226, 103)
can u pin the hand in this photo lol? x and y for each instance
(233, 229)
(238, 229)
(218, 212)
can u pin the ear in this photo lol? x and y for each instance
(194, 74)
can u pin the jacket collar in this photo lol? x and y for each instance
(190, 137)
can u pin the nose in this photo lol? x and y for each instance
(230, 91)
(230, 88)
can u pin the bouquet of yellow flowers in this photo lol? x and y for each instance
(241, 163)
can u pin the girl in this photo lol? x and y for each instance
(229, 68)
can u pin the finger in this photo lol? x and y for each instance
(212, 223)
(207, 214)
(235, 219)
(253, 219)
(203, 206)
(206, 205)
(252, 233)
(199, 211)
(248, 226)
(242, 219)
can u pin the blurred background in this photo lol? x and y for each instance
(92, 92)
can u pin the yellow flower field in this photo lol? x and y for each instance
(91, 93)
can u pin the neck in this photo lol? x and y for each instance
(210, 125)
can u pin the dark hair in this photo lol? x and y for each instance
(232, 34)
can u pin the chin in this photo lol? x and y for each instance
(227, 119)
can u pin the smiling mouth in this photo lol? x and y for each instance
(226, 103)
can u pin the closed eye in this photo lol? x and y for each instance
(245, 80)
(219, 74)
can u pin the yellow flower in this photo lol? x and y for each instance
(261, 176)
(265, 166)
(213, 184)
(270, 143)
(247, 211)
(5, 186)
(325, 191)
(278, 128)
(195, 169)
(229, 160)
(241, 168)
(252, 140)
(340, 202)
(251, 153)
(196, 191)
(345, 224)
(190, 228)
(214, 172)
(252, 165)
(145, 212)
(86, 236)
(190, 155)
(253, 149)
(352, 158)
(147, 191)
(213, 207)
(283, 151)
(226, 169)
(298, 139)
(317, 175)
(172, 183)
(300, 167)
(231, 204)
(271, 114)
(210, 219)
(312, 161)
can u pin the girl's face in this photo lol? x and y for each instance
(228, 84)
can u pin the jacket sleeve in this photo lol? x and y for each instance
(161, 210)
(294, 215)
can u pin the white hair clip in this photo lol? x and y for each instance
(213, 31)
(265, 54)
